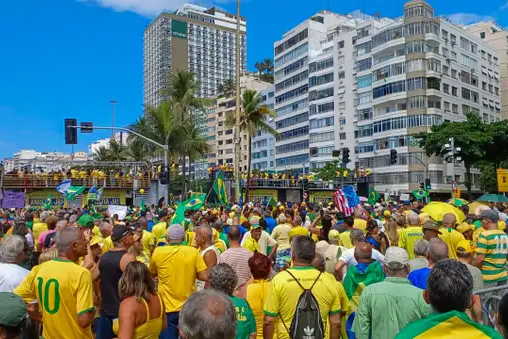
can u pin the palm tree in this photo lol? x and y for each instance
(268, 64)
(260, 66)
(101, 154)
(117, 151)
(227, 88)
(136, 150)
(252, 119)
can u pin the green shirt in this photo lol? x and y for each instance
(246, 323)
(387, 307)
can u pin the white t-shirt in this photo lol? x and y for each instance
(348, 256)
(11, 276)
(264, 241)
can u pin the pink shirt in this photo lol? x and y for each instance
(43, 235)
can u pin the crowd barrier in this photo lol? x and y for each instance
(490, 298)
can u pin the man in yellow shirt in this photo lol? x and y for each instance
(297, 229)
(147, 240)
(63, 289)
(410, 235)
(450, 235)
(360, 223)
(38, 228)
(286, 288)
(159, 230)
(345, 239)
(177, 266)
(106, 230)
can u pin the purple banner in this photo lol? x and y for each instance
(12, 199)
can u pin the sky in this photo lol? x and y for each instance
(69, 58)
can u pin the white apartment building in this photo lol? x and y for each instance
(497, 37)
(369, 84)
(263, 143)
(194, 39)
(40, 161)
(120, 137)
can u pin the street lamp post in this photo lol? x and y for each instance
(113, 103)
(238, 137)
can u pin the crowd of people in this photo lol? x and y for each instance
(286, 271)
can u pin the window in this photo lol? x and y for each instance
(453, 56)
(482, 36)
(415, 65)
(365, 81)
(475, 97)
(387, 35)
(433, 65)
(292, 107)
(389, 71)
(292, 94)
(342, 121)
(417, 102)
(455, 91)
(446, 106)
(484, 85)
(342, 75)
(291, 68)
(415, 83)
(295, 146)
(293, 120)
(415, 47)
(342, 136)
(320, 80)
(364, 98)
(294, 133)
(395, 87)
(454, 73)
(364, 48)
(446, 88)
(319, 65)
(324, 93)
(363, 65)
(291, 42)
(455, 108)
(292, 55)
(291, 81)
(295, 159)
(466, 93)
(363, 131)
(321, 108)
(320, 137)
(341, 44)
(319, 123)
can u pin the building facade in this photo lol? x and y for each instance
(369, 84)
(120, 137)
(497, 37)
(263, 143)
(194, 39)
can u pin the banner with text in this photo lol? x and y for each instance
(12, 199)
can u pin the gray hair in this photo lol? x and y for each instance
(303, 248)
(73, 218)
(438, 250)
(396, 269)
(208, 231)
(65, 237)
(44, 215)
(421, 247)
(208, 314)
(357, 235)
(61, 224)
(358, 213)
(297, 220)
(11, 248)
(449, 218)
(281, 218)
(413, 218)
(223, 278)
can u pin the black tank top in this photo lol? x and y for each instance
(111, 273)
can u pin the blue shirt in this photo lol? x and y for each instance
(271, 223)
(242, 229)
(419, 277)
(151, 223)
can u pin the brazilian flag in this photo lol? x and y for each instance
(421, 194)
(373, 196)
(272, 202)
(195, 203)
(219, 187)
(73, 191)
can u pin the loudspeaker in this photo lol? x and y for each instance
(362, 189)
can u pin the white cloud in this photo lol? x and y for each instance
(468, 18)
(149, 8)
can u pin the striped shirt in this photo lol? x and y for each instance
(238, 259)
(493, 244)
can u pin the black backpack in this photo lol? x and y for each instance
(307, 322)
(49, 241)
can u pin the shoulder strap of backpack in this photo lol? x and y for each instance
(303, 288)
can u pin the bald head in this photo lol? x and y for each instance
(61, 224)
(413, 218)
(363, 253)
(449, 220)
(234, 233)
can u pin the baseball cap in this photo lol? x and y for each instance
(13, 309)
(387, 213)
(490, 214)
(162, 214)
(120, 231)
(176, 232)
(465, 247)
(464, 227)
(429, 225)
(333, 234)
(396, 254)
(407, 202)
(86, 221)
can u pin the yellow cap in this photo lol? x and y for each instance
(96, 240)
(464, 227)
(465, 247)
(333, 234)
(387, 213)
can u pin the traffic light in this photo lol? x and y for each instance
(393, 157)
(428, 186)
(164, 177)
(305, 184)
(345, 156)
(422, 185)
(71, 134)
(336, 153)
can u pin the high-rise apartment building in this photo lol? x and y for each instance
(220, 135)
(497, 37)
(194, 39)
(370, 84)
(263, 143)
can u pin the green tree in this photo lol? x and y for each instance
(470, 135)
(117, 151)
(253, 117)
(329, 172)
(268, 65)
(227, 88)
(136, 150)
(101, 154)
(260, 66)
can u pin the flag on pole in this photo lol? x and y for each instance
(220, 188)
(342, 204)
(179, 216)
(92, 193)
(73, 191)
(63, 186)
(143, 207)
(47, 202)
(420, 194)
(195, 202)
(272, 202)
(373, 196)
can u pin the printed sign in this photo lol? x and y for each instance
(179, 29)
(12, 199)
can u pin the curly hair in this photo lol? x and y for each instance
(223, 278)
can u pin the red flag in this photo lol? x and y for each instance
(342, 204)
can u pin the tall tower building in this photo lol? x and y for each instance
(194, 39)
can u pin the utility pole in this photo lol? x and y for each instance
(451, 156)
(113, 102)
(238, 137)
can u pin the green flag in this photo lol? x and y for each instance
(47, 202)
(73, 191)
(143, 207)
(179, 216)
(373, 196)
(195, 202)
(420, 194)
(219, 187)
(272, 202)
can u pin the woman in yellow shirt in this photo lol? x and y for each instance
(141, 314)
(257, 290)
